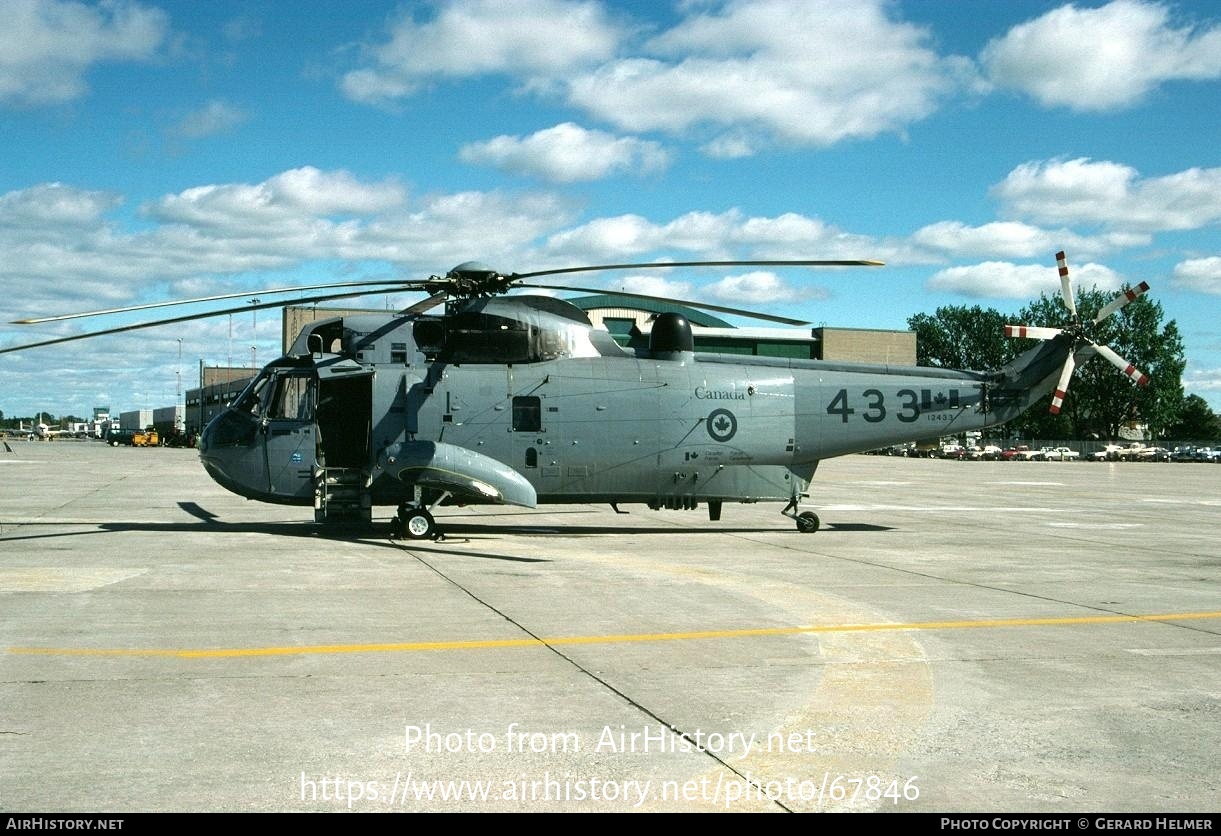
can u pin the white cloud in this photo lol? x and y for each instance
(48, 46)
(1004, 238)
(758, 288)
(448, 229)
(1014, 239)
(732, 146)
(52, 205)
(1095, 59)
(608, 238)
(214, 118)
(477, 37)
(1083, 191)
(1005, 280)
(1202, 274)
(793, 71)
(714, 236)
(568, 153)
(739, 75)
(1201, 380)
(63, 250)
(373, 87)
(294, 196)
(653, 286)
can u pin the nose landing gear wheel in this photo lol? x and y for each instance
(415, 524)
(807, 522)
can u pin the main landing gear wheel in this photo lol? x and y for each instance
(415, 524)
(807, 522)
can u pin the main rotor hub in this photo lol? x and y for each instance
(474, 278)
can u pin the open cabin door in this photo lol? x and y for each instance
(344, 417)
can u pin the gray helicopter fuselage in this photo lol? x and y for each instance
(521, 400)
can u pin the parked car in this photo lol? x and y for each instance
(1194, 454)
(1153, 454)
(1059, 454)
(1185, 454)
(116, 437)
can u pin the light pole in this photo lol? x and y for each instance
(178, 392)
(254, 328)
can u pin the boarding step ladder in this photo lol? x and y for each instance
(342, 495)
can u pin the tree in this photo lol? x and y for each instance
(958, 337)
(1196, 422)
(1100, 400)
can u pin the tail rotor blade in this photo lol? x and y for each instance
(1134, 374)
(1066, 286)
(1066, 374)
(1032, 332)
(1121, 300)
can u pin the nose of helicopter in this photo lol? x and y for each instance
(229, 454)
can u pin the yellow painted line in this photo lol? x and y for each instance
(486, 644)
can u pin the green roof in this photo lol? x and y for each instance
(613, 300)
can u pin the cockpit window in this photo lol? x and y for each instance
(251, 398)
(293, 399)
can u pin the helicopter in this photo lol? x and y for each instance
(519, 400)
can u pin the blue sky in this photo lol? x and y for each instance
(175, 149)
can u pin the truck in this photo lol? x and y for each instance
(146, 438)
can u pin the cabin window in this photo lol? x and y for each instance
(527, 414)
(474, 337)
(531, 457)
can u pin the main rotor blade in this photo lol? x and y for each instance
(656, 264)
(1121, 300)
(217, 298)
(784, 320)
(1066, 374)
(425, 304)
(305, 300)
(1134, 374)
(1066, 286)
(1032, 332)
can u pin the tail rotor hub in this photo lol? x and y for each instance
(1080, 332)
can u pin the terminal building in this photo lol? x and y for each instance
(218, 386)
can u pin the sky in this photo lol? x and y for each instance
(166, 150)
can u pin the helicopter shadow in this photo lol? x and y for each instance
(208, 523)
(579, 530)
